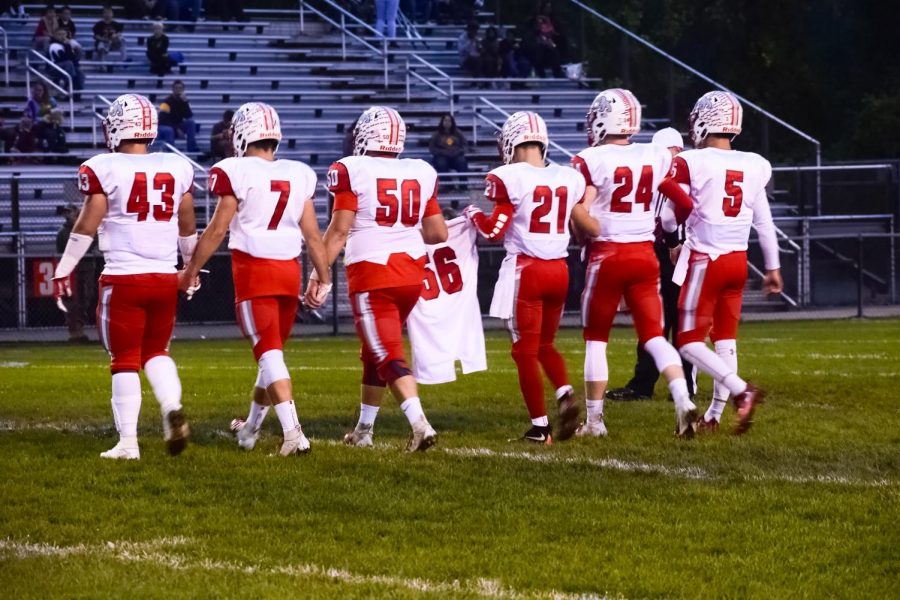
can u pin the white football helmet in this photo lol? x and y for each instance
(613, 112)
(715, 112)
(130, 117)
(379, 129)
(520, 128)
(253, 122)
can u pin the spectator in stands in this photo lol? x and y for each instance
(386, 17)
(65, 22)
(515, 62)
(14, 10)
(24, 139)
(469, 47)
(46, 27)
(448, 147)
(189, 10)
(108, 36)
(220, 145)
(548, 42)
(176, 117)
(51, 135)
(84, 282)
(63, 55)
(158, 51)
(41, 104)
(490, 54)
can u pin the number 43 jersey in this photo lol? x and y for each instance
(139, 233)
(445, 325)
(271, 195)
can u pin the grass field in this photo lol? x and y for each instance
(805, 505)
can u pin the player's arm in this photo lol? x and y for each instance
(492, 227)
(210, 241)
(768, 241)
(676, 186)
(337, 232)
(187, 228)
(80, 240)
(319, 282)
(434, 227)
(343, 211)
(585, 224)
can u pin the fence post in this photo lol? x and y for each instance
(22, 312)
(859, 278)
(806, 296)
(343, 38)
(384, 51)
(302, 20)
(14, 201)
(893, 264)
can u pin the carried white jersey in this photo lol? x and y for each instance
(542, 199)
(390, 197)
(445, 325)
(626, 178)
(271, 195)
(139, 233)
(728, 190)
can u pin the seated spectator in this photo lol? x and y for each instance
(14, 10)
(24, 137)
(108, 36)
(41, 104)
(63, 55)
(46, 27)
(176, 117)
(158, 51)
(469, 47)
(490, 53)
(51, 135)
(548, 43)
(515, 63)
(220, 145)
(65, 22)
(448, 147)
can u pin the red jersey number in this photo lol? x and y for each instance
(447, 271)
(543, 196)
(283, 188)
(734, 195)
(625, 180)
(138, 203)
(404, 208)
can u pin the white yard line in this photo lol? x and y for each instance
(153, 552)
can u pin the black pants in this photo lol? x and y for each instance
(645, 372)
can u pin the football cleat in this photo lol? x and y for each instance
(361, 436)
(122, 451)
(175, 431)
(702, 426)
(592, 428)
(626, 394)
(568, 416)
(246, 435)
(294, 443)
(684, 420)
(746, 403)
(422, 438)
(538, 434)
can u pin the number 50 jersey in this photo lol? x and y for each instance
(139, 233)
(271, 195)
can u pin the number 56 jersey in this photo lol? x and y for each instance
(139, 233)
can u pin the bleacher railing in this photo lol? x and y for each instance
(70, 93)
(5, 56)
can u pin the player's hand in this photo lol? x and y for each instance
(186, 281)
(772, 283)
(316, 293)
(674, 254)
(62, 288)
(471, 211)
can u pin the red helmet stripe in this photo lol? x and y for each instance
(629, 105)
(146, 118)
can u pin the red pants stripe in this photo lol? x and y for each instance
(135, 317)
(710, 301)
(379, 316)
(266, 321)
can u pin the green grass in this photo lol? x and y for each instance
(805, 505)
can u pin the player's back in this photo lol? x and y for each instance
(543, 199)
(140, 231)
(391, 197)
(626, 178)
(271, 195)
(725, 186)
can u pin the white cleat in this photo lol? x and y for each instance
(361, 436)
(122, 451)
(246, 435)
(423, 436)
(592, 428)
(685, 418)
(294, 443)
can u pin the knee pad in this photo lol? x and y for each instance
(595, 366)
(689, 352)
(272, 367)
(664, 355)
(393, 370)
(371, 377)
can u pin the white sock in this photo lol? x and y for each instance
(712, 364)
(163, 377)
(126, 404)
(679, 390)
(367, 414)
(257, 414)
(287, 415)
(541, 421)
(562, 391)
(412, 408)
(727, 350)
(714, 412)
(594, 409)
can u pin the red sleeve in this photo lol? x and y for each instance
(671, 188)
(339, 185)
(495, 189)
(87, 181)
(680, 171)
(432, 207)
(580, 165)
(219, 183)
(495, 226)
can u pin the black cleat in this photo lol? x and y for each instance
(626, 394)
(568, 417)
(539, 434)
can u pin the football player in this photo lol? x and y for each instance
(622, 179)
(267, 204)
(141, 204)
(533, 203)
(385, 211)
(725, 193)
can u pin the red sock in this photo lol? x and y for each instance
(554, 366)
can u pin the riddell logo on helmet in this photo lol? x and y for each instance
(271, 135)
(140, 134)
(532, 137)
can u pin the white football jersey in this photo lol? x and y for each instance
(271, 197)
(139, 233)
(626, 178)
(390, 197)
(728, 189)
(542, 199)
(445, 325)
